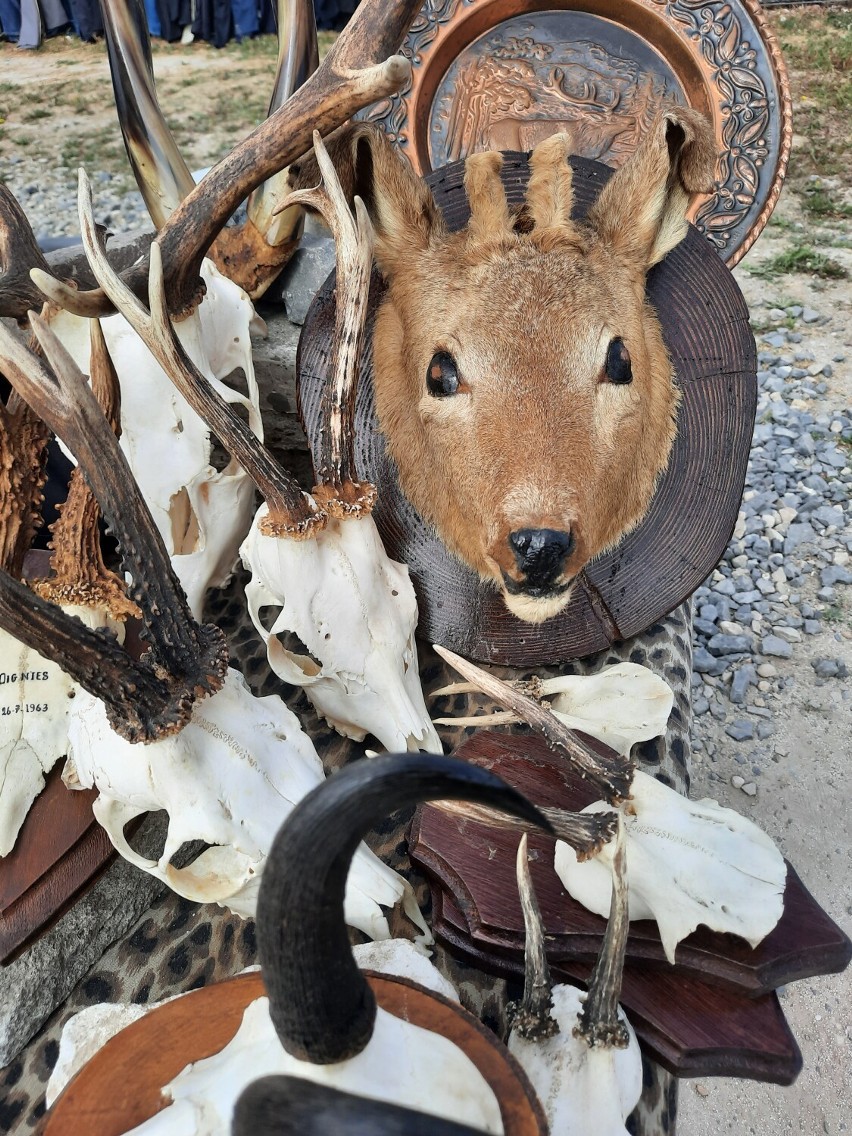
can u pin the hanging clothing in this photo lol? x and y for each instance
(88, 22)
(174, 16)
(213, 21)
(54, 15)
(31, 26)
(153, 17)
(10, 19)
(334, 14)
(253, 17)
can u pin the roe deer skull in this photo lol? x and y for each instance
(521, 378)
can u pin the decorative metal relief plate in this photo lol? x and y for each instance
(503, 74)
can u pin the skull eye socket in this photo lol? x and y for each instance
(617, 368)
(442, 377)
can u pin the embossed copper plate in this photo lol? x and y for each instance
(663, 560)
(503, 74)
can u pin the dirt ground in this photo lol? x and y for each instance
(56, 110)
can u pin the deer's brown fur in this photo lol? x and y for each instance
(527, 304)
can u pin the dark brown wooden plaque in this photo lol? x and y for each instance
(713, 1014)
(120, 1087)
(474, 866)
(659, 564)
(692, 1029)
(503, 74)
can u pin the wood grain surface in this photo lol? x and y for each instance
(653, 569)
(474, 865)
(689, 1027)
(120, 1087)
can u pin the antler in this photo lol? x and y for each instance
(19, 253)
(339, 492)
(290, 511)
(161, 173)
(250, 254)
(611, 772)
(153, 697)
(349, 78)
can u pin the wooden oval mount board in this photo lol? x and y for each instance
(714, 1013)
(693, 513)
(120, 1087)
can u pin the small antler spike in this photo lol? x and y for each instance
(550, 191)
(533, 1019)
(609, 771)
(79, 573)
(489, 209)
(599, 1023)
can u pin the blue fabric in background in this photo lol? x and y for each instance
(153, 17)
(86, 15)
(10, 18)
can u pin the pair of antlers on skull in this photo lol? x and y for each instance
(521, 378)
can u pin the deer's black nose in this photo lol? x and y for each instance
(541, 554)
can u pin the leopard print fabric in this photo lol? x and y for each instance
(179, 946)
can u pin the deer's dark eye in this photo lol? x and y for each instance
(617, 368)
(442, 378)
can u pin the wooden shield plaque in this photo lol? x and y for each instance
(503, 74)
(706, 329)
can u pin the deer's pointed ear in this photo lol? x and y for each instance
(641, 211)
(401, 206)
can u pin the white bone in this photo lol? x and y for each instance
(355, 611)
(91, 1028)
(402, 1064)
(35, 697)
(690, 863)
(201, 513)
(620, 705)
(229, 778)
(584, 1091)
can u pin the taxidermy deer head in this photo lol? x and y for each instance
(521, 378)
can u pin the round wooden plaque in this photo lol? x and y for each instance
(120, 1087)
(692, 516)
(503, 74)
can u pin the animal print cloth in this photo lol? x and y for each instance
(179, 946)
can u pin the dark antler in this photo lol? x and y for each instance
(19, 253)
(355, 73)
(153, 697)
(290, 511)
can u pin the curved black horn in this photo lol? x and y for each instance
(290, 1106)
(319, 1002)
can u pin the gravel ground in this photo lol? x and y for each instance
(773, 644)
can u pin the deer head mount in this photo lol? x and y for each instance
(521, 379)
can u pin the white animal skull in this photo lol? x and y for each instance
(355, 611)
(229, 778)
(201, 513)
(690, 863)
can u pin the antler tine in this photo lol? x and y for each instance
(611, 773)
(161, 173)
(290, 511)
(144, 701)
(355, 73)
(339, 492)
(254, 253)
(19, 252)
(65, 401)
(79, 575)
(23, 466)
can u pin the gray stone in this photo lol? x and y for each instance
(33, 985)
(797, 534)
(304, 275)
(777, 647)
(740, 731)
(811, 627)
(705, 663)
(835, 574)
(750, 789)
(729, 644)
(743, 678)
(830, 668)
(810, 316)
